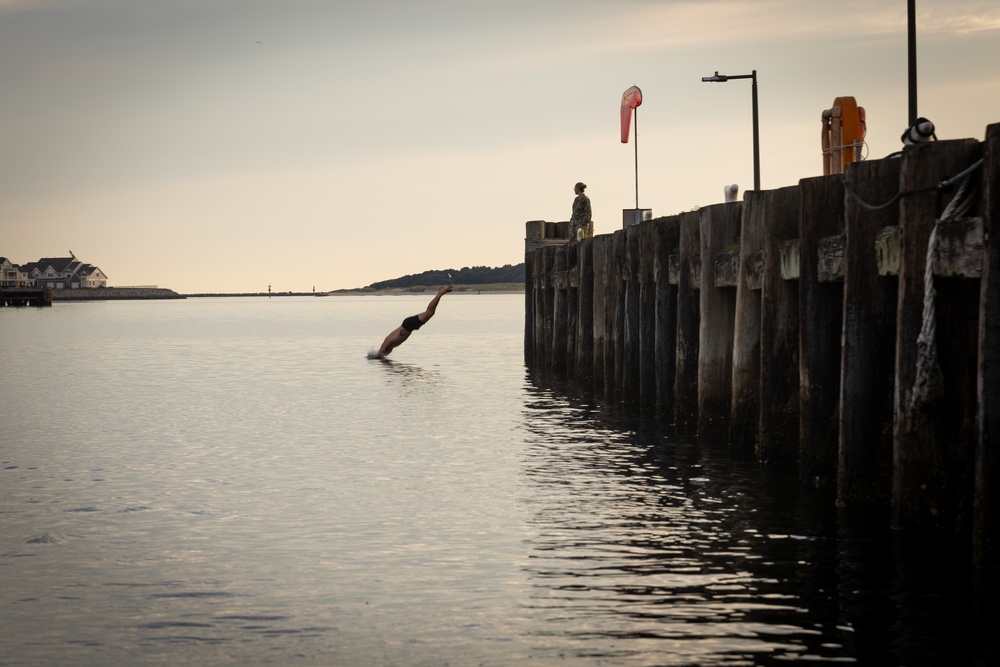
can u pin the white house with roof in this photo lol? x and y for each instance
(8, 273)
(11, 274)
(55, 272)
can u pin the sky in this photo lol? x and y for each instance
(228, 145)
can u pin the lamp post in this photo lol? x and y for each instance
(911, 57)
(722, 78)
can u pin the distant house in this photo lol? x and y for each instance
(58, 273)
(11, 275)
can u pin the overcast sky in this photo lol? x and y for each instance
(224, 145)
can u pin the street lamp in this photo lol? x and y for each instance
(722, 78)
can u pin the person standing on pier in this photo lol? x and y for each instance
(398, 336)
(581, 224)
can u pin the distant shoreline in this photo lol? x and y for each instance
(494, 288)
(153, 293)
(467, 289)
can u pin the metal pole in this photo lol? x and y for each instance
(756, 137)
(721, 78)
(911, 41)
(637, 157)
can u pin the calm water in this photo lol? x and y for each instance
(230, 481)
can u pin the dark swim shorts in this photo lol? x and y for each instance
(412, 323)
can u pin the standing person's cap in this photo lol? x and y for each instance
(581, 185)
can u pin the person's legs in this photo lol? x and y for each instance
(432, 306)
(398, 336)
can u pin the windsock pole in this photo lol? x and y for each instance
(636, 112)
(631, 100)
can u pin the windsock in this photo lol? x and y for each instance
(630, 100)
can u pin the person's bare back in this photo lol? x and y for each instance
(399, 335)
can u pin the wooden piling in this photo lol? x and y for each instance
(560, 312)
(864, 469)
(822, 313)
(534, 232)
(538, 269)
(630, 375)
(986, 519)
(779, 335)
(544, 258)
(612, 309)
(719, 226)
(933, 432)
(647, 315)
(572, 304)
(821, 300)
(745, 407)
(614, 359)
(584, 354)
(599, 252)
(666, 237)
(688, 325)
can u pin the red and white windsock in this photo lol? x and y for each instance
(630, 100)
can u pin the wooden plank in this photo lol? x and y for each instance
(745, 410)
(959, 249)
(820, 328)
(788, 253)
(779, 335)
(727, 268)
(887, 249)
(753, 269)
(830, 259)
(933, 431)
(864, 469)
(719, 226)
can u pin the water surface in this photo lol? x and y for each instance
(231, 481)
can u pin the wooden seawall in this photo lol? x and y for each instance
(802, 326)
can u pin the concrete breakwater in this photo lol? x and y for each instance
(848, 325)
(114, 293)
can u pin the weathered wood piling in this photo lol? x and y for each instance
(805, 327)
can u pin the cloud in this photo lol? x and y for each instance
(678, 25)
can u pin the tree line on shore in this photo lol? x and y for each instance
(475, 275)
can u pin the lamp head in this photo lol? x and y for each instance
(721, 78)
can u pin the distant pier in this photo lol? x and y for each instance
(848, 325)
(44, 296)
(21, 296)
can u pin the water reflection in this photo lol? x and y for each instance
(408, 378)
(666, 551)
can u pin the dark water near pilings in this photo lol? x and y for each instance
(229, 481)
(733, 547)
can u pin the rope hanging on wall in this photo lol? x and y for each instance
(929, 382)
